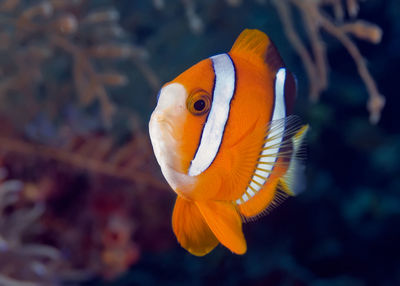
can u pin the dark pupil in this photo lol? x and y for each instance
(199, 105)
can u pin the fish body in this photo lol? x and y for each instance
(227, 144)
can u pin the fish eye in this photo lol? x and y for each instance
(199, 105)
(198, 102)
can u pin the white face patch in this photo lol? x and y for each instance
(273, 140)
(214, 127)
(171, 96)
(166, 117)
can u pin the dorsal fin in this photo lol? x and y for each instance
(256, 47)
(252, 43)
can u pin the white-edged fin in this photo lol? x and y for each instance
(293, 182)
(213, 131)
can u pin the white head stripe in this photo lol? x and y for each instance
(276, 132)
(211, 138)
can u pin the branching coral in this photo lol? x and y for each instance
(22, 262)
(315, 20)
(95, 154)
(85, 195)
(87, 41)
(99, 213)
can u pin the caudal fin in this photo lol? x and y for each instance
(293, 182)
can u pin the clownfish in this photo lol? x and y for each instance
(227, 143)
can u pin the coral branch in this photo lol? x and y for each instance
(79, 161)
(376, 101)
(22, 263)
(314, 21)
(67, 29)
(284, 12)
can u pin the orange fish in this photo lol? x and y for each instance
(227, 144)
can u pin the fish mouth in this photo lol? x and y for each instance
(166, 127)
(163, 140)
(166, 151)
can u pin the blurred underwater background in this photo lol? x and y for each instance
(82, 199)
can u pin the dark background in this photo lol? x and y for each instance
(344, 230)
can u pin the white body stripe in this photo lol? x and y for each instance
(280, 107)
(274, 139)
(213, 130)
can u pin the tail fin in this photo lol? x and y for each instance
(293, 182)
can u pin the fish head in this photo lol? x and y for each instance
(177, 121)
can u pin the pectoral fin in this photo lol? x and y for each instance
(279, 170)
(191, 229)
